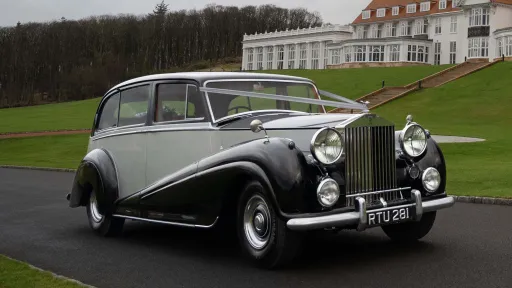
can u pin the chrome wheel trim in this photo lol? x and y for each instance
(257, 222)
(93, 207)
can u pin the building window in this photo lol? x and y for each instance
(291, 56)
(404, 29)
(437, 53)
(453, 25)
(280, 57)
(270, 57)
(365, 32)
(394, 53)
(376, 31)
(438, 25)
(508, 46)
(442, 4)
(250, 58)
(395, 11)
(479, 17)
(381, 12)
(348, 54)
(360, 53)
(303, 56)
(392, 31)
(417, 53)
(376, 53)
(425, 6)
(335, 59)
(259, 59)
(453, 52)
(315, 56)
(421, 26)
(478, 47)
(326, 55)
(454, 3)
(411, 8)
(366, 14)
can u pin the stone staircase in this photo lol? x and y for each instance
(388, 94)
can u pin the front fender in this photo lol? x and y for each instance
(97, 173)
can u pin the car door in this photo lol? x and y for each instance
(121, 131)
(178, 137)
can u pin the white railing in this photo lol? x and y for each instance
(330, 28)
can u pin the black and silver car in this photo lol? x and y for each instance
(203, 149)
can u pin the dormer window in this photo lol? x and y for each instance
(381, 12)
(411, 8)
(442, 4)
(454, 3)
(425, 6)
(396, 10)
(366, 14)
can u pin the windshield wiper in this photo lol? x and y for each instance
(233, 119)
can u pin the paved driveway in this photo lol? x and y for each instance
(470, 246)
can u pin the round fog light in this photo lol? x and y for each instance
(328, 192)
(431, 179)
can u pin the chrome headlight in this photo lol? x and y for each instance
(431, 179)
(413, 140)
(327, 145)
(328, 192)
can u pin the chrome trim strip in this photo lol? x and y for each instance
(416, 197)
(167, 222)
(358, 218)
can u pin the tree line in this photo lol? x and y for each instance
(79, 59)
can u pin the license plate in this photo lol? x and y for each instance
(390, 216)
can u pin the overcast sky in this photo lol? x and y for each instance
(12, 11)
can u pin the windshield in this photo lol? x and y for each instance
(226, 105)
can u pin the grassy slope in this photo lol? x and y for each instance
(14, 274)
(354, 83)
(351, 83)
(479, 105)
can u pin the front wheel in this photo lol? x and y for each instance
(411, 231)
(263, 236)
(105, 225)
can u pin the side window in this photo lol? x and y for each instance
(134, 106)
(109, 113)
(175, 102)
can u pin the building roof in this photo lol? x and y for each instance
(509, 2)
(389, 4)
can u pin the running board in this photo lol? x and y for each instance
(167, 222)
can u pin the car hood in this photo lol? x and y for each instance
(292, 121)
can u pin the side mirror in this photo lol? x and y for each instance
(256, 126)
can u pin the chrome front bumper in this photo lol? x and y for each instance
(359, 218)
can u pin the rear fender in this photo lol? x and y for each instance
(96, 173)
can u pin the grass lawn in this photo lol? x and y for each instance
(69, 115)
(64, 151)
(357, 82)
(14, 274)
(480, 106)
(352, 83)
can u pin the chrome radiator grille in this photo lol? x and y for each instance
(370, 162)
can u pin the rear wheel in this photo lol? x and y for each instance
(411, 231)
(263, 236)
(105, 225)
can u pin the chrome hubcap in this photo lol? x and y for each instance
(95, 213)
(257, 222)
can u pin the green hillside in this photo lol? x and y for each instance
(478, 105)
(351, 83)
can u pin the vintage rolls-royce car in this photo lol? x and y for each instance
(259, 151)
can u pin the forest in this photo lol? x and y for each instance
(69, 60)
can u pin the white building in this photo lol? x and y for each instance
(394, 33)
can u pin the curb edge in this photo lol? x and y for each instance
(461, 199)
